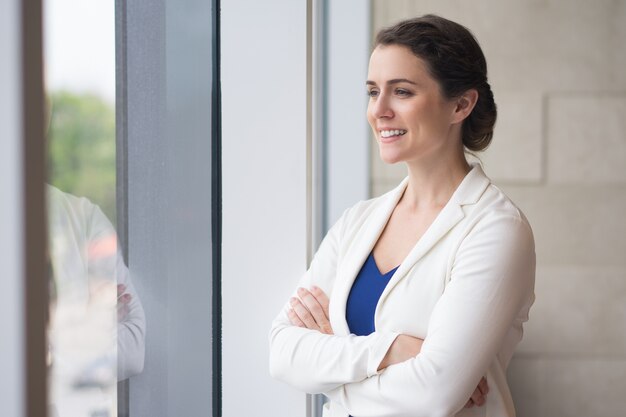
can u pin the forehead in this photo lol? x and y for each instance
(395, 61)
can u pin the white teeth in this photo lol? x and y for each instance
(389, 133)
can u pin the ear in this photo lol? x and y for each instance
(464, 105)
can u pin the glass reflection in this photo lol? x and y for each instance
(96, 323)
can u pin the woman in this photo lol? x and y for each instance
(415, 300)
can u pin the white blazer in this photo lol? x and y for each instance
(78, 231)
(466, 288)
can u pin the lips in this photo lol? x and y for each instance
(388, 133)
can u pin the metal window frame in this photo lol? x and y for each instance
(133, 48)
(338, 158)
(35, 226)
(25, 297)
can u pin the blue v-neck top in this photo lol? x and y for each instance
(364, 295)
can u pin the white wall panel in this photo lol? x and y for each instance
(349, 136)
(264, 105)
(12, 324)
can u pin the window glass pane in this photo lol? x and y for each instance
(156, 160)
(93, 305)
(166, 77)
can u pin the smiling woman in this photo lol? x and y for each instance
(453, 58)
(415, 300)
(410, 117)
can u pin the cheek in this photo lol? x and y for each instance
(370, 117)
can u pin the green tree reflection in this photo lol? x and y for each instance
(81, 148)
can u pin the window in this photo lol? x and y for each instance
(133, 142)
(166, 206)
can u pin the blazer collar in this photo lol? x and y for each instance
(468, 192)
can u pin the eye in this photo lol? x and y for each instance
(372, 93)
(403, 93)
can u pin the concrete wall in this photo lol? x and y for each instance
(558, 73)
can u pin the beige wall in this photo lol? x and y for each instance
(558, 71)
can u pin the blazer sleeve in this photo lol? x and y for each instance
(131, 328)
(492, 279)
(314, 362)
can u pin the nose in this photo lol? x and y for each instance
(380, 107)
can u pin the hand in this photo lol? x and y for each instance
(402, 349)
(123, 299)
(310, 310)
(406, 347)
(478, 397)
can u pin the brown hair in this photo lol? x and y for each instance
(456, 61)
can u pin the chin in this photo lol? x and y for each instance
(391, 157)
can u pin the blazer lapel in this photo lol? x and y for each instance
(468, 192)
(361, 245)
(445, 221)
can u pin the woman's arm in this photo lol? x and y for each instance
(315, 362)
(311, 311)
(131, 328)
(492, 279)
(131, 323)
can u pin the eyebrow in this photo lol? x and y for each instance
(394, 81)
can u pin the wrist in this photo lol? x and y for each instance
(403, 348)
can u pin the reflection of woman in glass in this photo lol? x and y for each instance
(415, 300)
(97, 323)
(88, 269)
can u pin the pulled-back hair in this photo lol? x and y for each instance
(455, 60)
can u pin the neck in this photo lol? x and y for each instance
(432, 181)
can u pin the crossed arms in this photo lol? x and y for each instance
(491, 281)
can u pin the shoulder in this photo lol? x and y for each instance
(495, 201)
(496, 240)
(495, 225)
(65, 208)
(495, 207)
(69, 203)
(484, 202)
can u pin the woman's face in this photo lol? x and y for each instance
(410, 118)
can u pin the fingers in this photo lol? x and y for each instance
(294, 319)
(317, 310)
(322, 298)
(124, 298)
(483, 386)
(477, 398)
(122, 312)
(479, 394)
(310, 310)
(120, 289)
(303, 313)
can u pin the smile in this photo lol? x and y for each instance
(390, 133)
